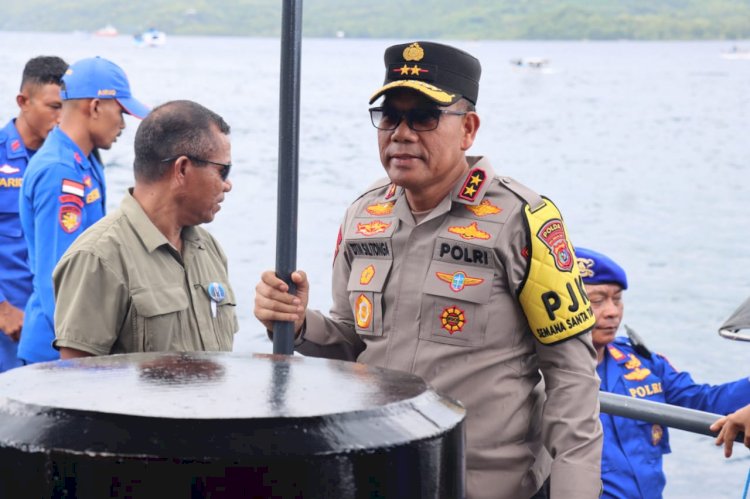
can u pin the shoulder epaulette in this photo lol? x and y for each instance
(534, 200)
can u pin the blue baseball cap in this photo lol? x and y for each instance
(98, 78)
(596, 268)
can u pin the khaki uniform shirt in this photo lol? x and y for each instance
(121, 287)
(444, 299)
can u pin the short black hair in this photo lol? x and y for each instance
(175, 128)
(42, 70)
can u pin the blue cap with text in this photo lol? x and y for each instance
(98, 78)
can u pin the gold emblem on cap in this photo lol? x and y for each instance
(413, 52)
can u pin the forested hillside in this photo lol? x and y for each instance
(445, 19)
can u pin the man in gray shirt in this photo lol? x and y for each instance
(147, 277)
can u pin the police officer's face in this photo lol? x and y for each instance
(108, 123)
(606, 302)
(40, 108)
(421, 160)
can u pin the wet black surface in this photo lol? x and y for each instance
(206, 423)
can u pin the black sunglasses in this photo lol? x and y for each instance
(418, 119)
(225, 167)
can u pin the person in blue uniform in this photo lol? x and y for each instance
(63, 191)
(39, 106)
(632, 451)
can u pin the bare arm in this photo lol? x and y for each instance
(72, 353)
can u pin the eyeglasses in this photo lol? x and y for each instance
(225, 167)
(418, 119)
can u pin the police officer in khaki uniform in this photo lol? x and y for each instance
(466, 278)
(146, 277)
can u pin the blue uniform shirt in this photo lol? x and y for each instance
(62, 195)
(632, 450)
(15, 276)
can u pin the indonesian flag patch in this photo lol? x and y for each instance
(72, 187)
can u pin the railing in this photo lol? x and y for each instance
(656, 412)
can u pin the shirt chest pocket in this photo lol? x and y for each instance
(219, 303)
(366, 284)
(159, 318)
(454, 304)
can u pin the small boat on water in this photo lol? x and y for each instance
(151, 38)
(531, 65)
(530, 62)
(107, 30)
(736, 53)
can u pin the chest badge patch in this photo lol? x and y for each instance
(484, 208)
(458, 280)
(381, 208)
(372, 228)
(471, 231)
(638, 374)
(9, 170)
(656, 433)
(552, 234)
(216, 291)
(363, 311)
(367, 274)
(453, 319)
(69, 218)
(93, 196)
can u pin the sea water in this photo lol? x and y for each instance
(642, 145)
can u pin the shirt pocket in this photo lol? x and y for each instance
(366, 284)
(224, 321)
(454, 304)
(158, 318)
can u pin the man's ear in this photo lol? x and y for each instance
(93, 108)
(22, 100)
(179, 169)
(470, 127)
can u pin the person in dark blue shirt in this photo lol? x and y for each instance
(39, 106)
(632, 451)
(63, 191)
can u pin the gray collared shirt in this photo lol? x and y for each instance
(122, 287)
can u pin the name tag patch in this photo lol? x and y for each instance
(457, 252)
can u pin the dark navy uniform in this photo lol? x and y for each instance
(632, 453)
(15, 276)
(62, 195)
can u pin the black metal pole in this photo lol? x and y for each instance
(286, 220)
(656, 412)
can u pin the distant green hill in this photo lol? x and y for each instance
(435, 19)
